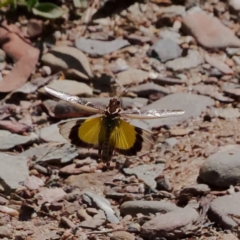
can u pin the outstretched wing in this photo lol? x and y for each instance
(129, 140)
(152, 114)
(87, 133)
(78, 102)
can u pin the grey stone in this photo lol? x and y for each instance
(132, 75)
(122, 235)
(197, 189)
(165, 49)
(99, 48)
(147, 207)
(222, 169)
(170, 224)
(5, 232)
(225, 209)
(52, 154)
(166, 33)
(192, 60)
(71, 87)
(146, 172)
(171, 142)
(13, 171)
(51, 134)
(9, 140)
(103, 204)
(226, 113)
(144, 90)
(209, 31)
(72, 61)
(192, 104)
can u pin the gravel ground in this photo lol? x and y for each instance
(179, 55)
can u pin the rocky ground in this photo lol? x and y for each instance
(180, 55)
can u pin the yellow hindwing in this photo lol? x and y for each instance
(84, 133)
(129, 140)
(92, 131)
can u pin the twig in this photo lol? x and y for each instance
(107, 231)
(90, 15)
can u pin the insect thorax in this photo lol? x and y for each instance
(110, 122)
(114, 108)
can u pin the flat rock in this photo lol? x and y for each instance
(192, 104)
(5, 232)
(50, 195)
(234, 4)
(168, 33)
(165, 50)
(224, 210)
(233, 51)
(169, 224)
(222, 98)
(234, 92)
(72, 61)
(179, 132)
(167, 80)
(174, 10)
(144, 90)
(236, 59)
(58, 154)
(132, 75)
(147, 207)
(9, 140)
(92, 224)
(122, 235)
(229, 236)
(118, 66)
(71, 169)
(13, 170)
(226, 113)
(204, 89)
(215, 62)
(33, 182)
(14, 127)
(192, 60)
(135, 38)
(195, 190)
(103, 204)
(51, 134)
(71, 87)
(212, 36)
(99, 48)
(222, 169)
(146, 172)
(171, 142)
(93, 181)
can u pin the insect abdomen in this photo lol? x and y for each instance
(106, 152)
(106, 148)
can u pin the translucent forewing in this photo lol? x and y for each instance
(152, 114)
(76, 101)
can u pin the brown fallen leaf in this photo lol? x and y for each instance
(25, 56)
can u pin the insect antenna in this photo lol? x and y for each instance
(125, 89)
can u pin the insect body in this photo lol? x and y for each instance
(108, 132)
